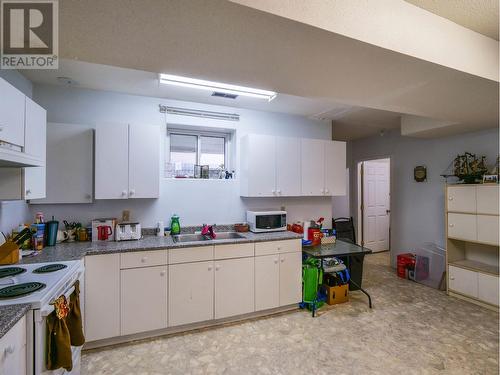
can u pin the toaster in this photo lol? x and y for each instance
(128, 231)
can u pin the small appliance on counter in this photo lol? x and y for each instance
(266, 221)
(128, 231)
(103, 229)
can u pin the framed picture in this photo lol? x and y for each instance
(490, 179)
(420, 173)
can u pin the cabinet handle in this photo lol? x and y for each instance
(273, 191)
(451, 225)
(124, 193)
(144, 259)
(452, 278)
(450, 198)
(282, 260)
(88, 196)
(326, 191)
(210, 268)
(132, 191)
(279, 247)
(322, 191)
(217, 267)
(279, 192)
(163, 273)
(276, 261)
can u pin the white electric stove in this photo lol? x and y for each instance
(39, 284)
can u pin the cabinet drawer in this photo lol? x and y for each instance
(463, 281)
(275, 247)
(462, 199)
(143, 259)
(191, 254)
(488, 288)
(462, 226)
(234, 251)
(487, 229)
(487, 199)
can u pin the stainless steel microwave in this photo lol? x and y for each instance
(266, 221)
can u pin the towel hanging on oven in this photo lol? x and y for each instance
(58, 339)
(74, 318)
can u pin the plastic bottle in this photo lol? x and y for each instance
(175, 226)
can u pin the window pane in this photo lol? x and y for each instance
(183, 154)
(212, 154)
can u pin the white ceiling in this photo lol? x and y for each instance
(478, 15)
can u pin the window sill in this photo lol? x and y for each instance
(198, 179)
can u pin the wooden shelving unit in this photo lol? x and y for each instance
(472, 243)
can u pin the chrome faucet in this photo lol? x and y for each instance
(208, 231)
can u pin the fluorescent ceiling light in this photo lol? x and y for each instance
(170, 79)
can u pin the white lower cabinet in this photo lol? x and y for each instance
(234, 287)
(190, 293)
(143, 299)
(463, 281)
(487, 229)
(267, 282)
(488, 288)
(13, 354)
(462, 226)
(290, 278)
(102, 296)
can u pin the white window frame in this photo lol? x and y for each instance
(202, 133)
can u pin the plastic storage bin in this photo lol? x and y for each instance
(430, 265)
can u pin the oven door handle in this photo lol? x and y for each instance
(48, 309)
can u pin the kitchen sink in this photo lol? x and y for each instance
(200, 238)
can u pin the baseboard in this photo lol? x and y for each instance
(474, 301)
(178, 330)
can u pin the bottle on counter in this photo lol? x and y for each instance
(175, 226)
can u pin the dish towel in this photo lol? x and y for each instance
(58, 339)
(74, 318)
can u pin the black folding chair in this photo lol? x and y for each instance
(345, 229)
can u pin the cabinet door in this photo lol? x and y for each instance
(70, 164)
(487, 199)
(335, 168)
(313, 167)
(487, 229)
(290, 278)
(267, 282)
(143, 299)
(463, 281)
(462, 226)
(488, 288)
(144, 161)
(190, 293)
(260, 165)
(462, 199)
(102, 296)
(12, 108)
(234, 287)
(288, 166)
(13, 356)
(111, 161)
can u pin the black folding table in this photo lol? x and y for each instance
(346, 251)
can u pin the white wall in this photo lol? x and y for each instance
(417, 209)
(196, 201)
(15, 212)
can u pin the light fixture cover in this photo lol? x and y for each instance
(170, 79)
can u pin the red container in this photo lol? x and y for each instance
(405, 262)
(314, 235)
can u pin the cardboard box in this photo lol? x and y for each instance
(337, 294)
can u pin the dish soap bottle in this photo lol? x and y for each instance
(175, 226)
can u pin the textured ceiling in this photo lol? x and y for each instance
(478, 15)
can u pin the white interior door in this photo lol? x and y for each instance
(376, 204)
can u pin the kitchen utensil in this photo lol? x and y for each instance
(62, 236)
(104, 232)
(51, 228)
(71, 235)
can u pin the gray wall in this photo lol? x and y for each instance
(16, 212)
(417, 209)
(196, 201)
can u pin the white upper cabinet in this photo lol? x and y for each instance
(287, 166)
(11, 114)
(127, 161)
(144, 161)
(323, 167)
(335, 168)
(258, 163)
(462, 199)
(70, 165)
(487, 198)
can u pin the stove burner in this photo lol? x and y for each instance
(50, 268)
(19, 290)
(11, 271)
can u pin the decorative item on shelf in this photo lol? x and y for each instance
(468, 168)
(420, 173)
(205, 171)
(490, 179)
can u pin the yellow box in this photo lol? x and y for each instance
(337, 294)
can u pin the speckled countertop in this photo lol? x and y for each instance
(10, 315)
(77, 250)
